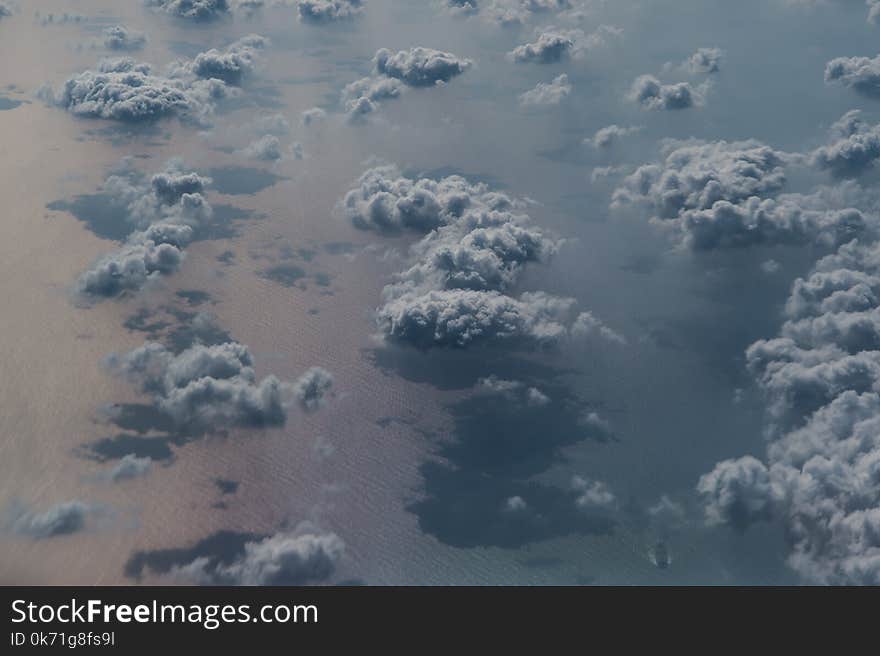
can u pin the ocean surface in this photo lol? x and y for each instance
(298, 284)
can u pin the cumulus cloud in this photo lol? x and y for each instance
(820, 377)
(328, 11)
(5, 10)
(312, 387)
(514, 391)
(550, 47)
(553, 45)
(861, 74)
(124, 90)
(854, 150)
(302, 556)
(737, 492)
(475, 242)
(547, 93)
(705, 60)
(873, 11)
(230, 65)
(587, 325)
(727, 195)
(650, 93)
(165, 214)
(592, 494)
(417, 67)
(130, 466)
(518, 12)
(267, 148)
(364, 96)
(420, 67)
(312, 116)
(61, 519)
(608, 136)
(119, 37)
(202, 10)
(205, 387)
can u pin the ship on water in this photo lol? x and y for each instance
(660, 555)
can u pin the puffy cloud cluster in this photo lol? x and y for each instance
(267, 148)
(547, 93)
(475, 243)
(705, 60)
(61, 519)
(606, 137)
(125, 90)
(420, 67)
(5, 10)
(364, 96)
(650, 93)
(328, 11)
(202, 10)
(119, 37)
(230, 64)
(861, 74)
(165, 213)
(205, 387)
(854, 150)
(302, 556)
(726, 195)
(737, 493)
(694, 176)
(821, 473)
(416, 67)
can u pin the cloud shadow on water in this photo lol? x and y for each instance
(222, 547)
(241, 180)
(496, 447)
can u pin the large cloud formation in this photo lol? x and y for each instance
(125, 90)
(727, 195)
(328, 11)
(304, 555)
(214, 386)
(821, 474)
(165, 213)
(475, 242)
